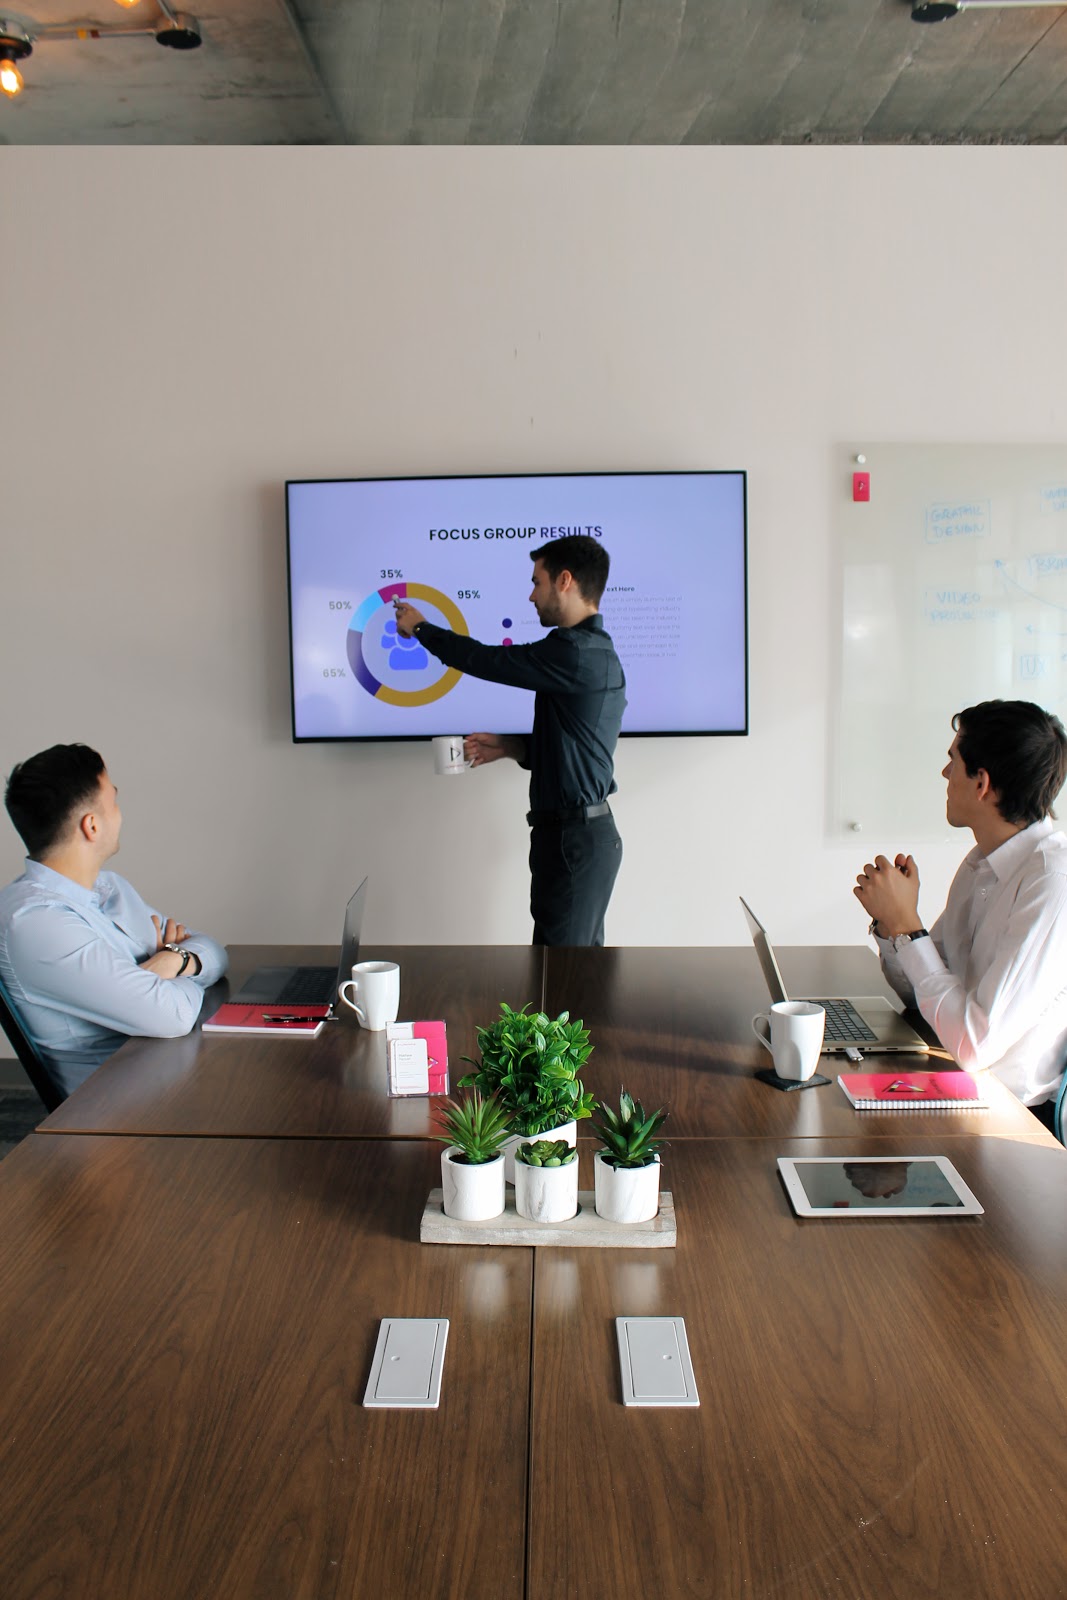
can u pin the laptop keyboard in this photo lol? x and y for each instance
(844, 1025)
(309, 986)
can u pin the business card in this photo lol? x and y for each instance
(418, 1058)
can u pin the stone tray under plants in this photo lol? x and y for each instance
(586, 1229)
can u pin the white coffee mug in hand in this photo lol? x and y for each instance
(793, 1034)
(448, 758)
(376, 993)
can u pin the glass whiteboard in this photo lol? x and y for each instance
(953, 589)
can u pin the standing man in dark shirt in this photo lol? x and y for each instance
(580, 696)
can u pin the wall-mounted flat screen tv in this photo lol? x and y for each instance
(459, 550)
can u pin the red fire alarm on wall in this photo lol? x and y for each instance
(861, 486)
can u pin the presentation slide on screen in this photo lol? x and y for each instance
(459, 550)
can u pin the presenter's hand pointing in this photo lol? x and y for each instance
(407, 618)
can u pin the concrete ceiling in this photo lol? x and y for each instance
(537, 72)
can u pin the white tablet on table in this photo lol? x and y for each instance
(876, 1186)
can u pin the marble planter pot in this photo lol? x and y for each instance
(471, 1193)
(626, 1194)
(566, 1130)
(546, 1194)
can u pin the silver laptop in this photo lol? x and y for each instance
(859, 1022)
(309, 986)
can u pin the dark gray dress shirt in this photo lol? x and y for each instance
(580, 693)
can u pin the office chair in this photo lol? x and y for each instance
(32, 1064)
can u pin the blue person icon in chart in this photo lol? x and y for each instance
(405, 655)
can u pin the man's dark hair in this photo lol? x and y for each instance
(43, 792)
(1024, 751)
(583, 557)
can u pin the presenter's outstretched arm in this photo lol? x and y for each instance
(479, 748)
(482, 747)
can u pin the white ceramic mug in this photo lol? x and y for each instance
(793, 1034)
(448, 757)
(376, 993)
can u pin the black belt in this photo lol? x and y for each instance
(578, 814)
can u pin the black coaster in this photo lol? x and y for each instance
(768, 1075)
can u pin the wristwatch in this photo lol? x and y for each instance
(186, 955)
(901, 939)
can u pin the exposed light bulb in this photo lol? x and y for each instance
(127, 3)
(10, 78)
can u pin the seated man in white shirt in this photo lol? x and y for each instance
(84, 961)
(991, 976)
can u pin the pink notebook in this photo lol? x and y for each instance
(268, 1022)
(907, 1091)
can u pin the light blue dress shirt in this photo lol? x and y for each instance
(69, 963)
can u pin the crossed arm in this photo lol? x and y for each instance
(62, 962)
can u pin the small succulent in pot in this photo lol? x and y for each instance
(546, 1180)
(547, 1153)
(628, 1135)
(477, 1125)
(626, 1171)
(472, 1167)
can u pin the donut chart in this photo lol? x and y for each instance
(357, 660)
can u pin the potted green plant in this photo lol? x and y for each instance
(532, 1063)
(546, 1180)
(472, 1167)
(626, 1171)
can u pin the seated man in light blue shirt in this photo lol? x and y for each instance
(84, 961)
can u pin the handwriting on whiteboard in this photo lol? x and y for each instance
(957, 519)
(957, 605)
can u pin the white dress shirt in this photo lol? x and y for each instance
(992, 978)
(69, 961)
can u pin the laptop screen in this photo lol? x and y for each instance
(352, 932)
(766, 955)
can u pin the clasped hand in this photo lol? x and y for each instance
(889, 893)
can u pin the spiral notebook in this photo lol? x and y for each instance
(913, 1091)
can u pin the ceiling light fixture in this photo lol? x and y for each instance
(180, 31)
(938, 10)
(15, 46)
(175, 29)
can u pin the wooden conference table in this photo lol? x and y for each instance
(187, 1323)
(186, 1334)
(672, 1025)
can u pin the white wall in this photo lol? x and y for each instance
(185, 328)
